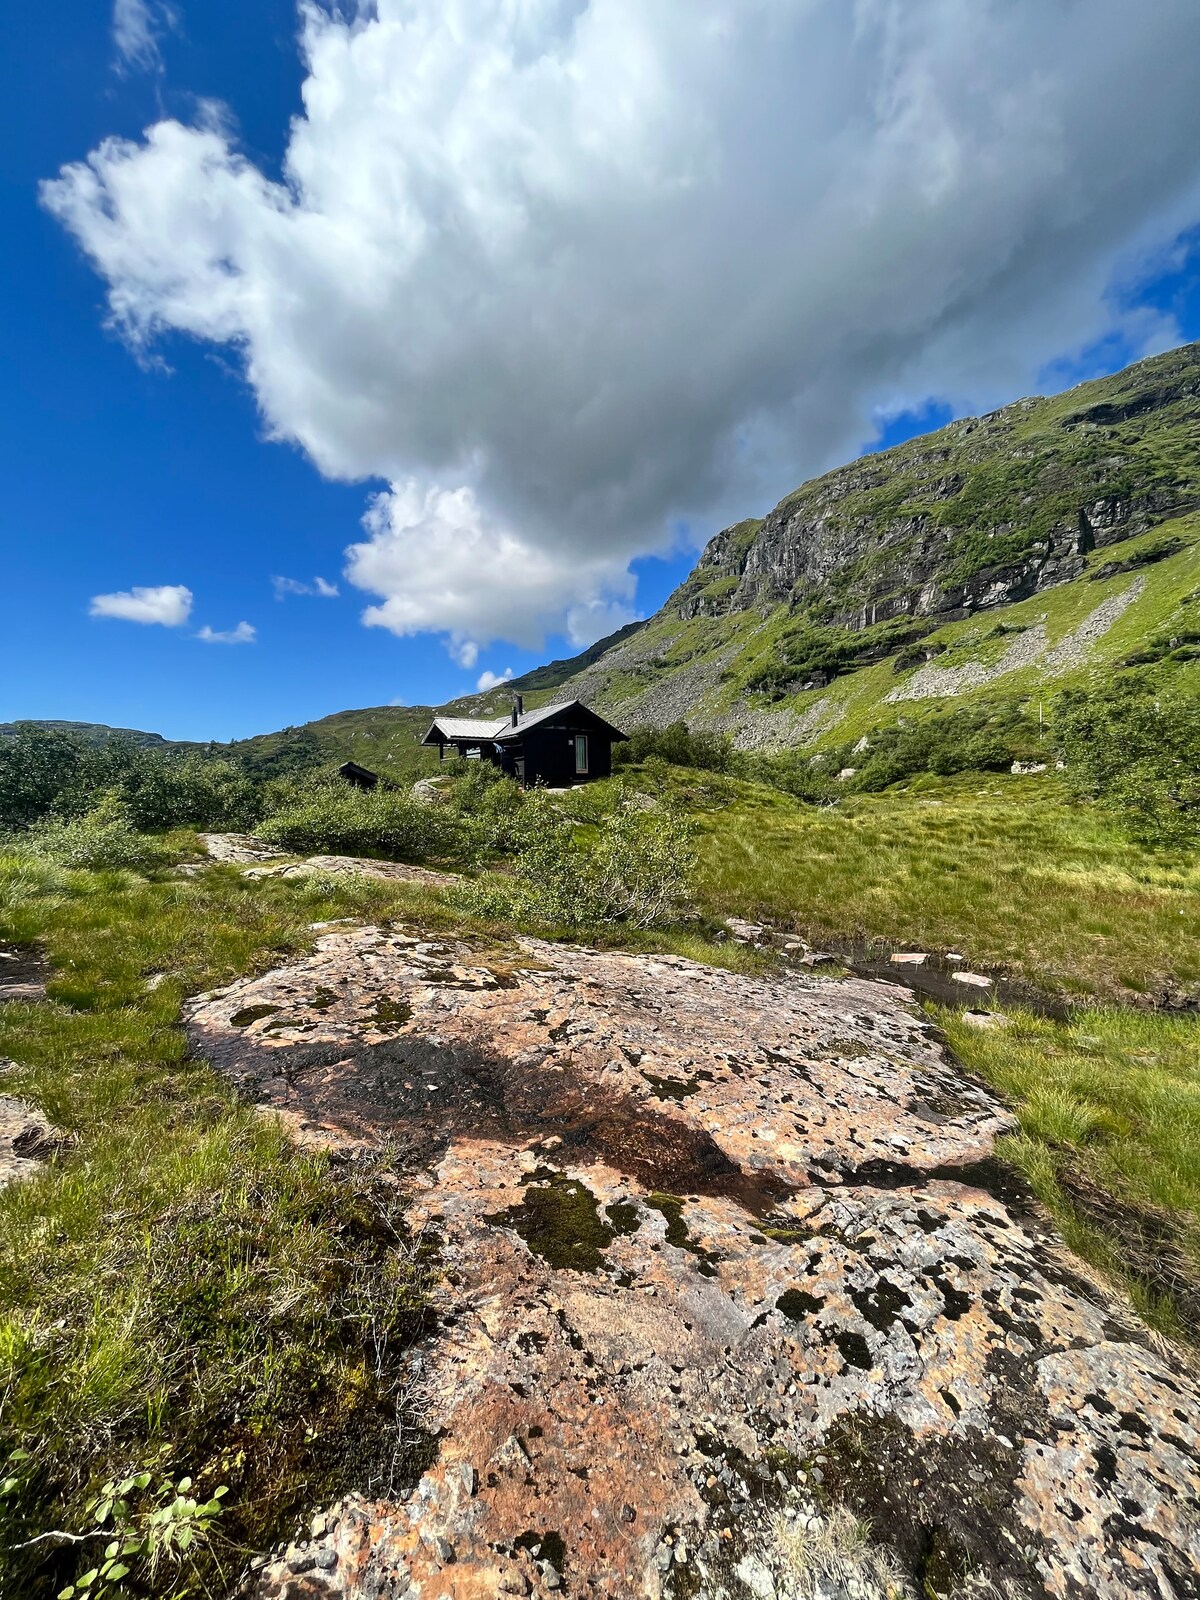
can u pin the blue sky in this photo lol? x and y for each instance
(152, 466)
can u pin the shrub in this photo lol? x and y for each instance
(35, 765)
(636, 867)
(47, 772)
(678, 744)
(201, 791)
(1136, 749)
(642, 864)
(332, 819)
(102, 840)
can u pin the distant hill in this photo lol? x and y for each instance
(93, 732)
(384, 738)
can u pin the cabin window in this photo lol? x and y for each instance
(581, 752)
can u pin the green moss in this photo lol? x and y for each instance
(559, 1220)
(670, 1207)
(389, 1013)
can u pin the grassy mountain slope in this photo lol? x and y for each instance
(384, 738)
(1002, 556)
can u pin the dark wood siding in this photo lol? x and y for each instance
(550, 753)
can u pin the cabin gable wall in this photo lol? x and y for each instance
(550, 754)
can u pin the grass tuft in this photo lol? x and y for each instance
(183, 1291)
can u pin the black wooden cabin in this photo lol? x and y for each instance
(363, 778)
(358, 777)
(557, 745)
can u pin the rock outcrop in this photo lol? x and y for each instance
(261, 860)
(22, 974)
(716, 1250)
(984, 512)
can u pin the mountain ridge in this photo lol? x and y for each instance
(1076, 514)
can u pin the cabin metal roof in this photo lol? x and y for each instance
(469, 727)
(502, 729)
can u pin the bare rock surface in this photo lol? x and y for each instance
(716, 1249)
(27, 1139)
(22, 974)
(355, 866)
(238, 847)
(265, 861)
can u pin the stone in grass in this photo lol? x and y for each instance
(975, 979)
(985, 1019)
(910, 958)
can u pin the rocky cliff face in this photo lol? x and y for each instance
(983, 512)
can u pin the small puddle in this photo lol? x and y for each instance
(934, 979)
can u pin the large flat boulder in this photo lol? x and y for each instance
(711, 1243)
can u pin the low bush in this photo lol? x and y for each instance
(48, 772)
(331, 819)
(489, 802)
(103, 839)
(197, 791)
(971, 739)
(1135, 748)
(635, 866)
(678, 744)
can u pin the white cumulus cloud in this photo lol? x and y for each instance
(566, 273)
(244, 633)
(437, 560)
(493, 680)
(168, 604)
(320, 587)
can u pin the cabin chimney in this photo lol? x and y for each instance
(518, 708)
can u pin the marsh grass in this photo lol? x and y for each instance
(1109, 1107)
(1008, 871)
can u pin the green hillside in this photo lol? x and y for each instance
(999, 559)
(385, 738)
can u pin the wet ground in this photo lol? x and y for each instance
(934, 979)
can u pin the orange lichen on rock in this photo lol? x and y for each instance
(710, 1242)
